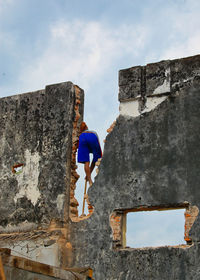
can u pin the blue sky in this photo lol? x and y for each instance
(87, 42)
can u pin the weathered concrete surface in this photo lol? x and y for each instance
(130, 81)
(36, 131)
(16, 274)
(156, 78)
(13, 273)
(152, 160)
(16, 268)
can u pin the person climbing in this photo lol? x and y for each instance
(88, 143)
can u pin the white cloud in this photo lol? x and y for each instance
(183, 49)
(88, 51)
(81, 52)
(185, 34)
(5, 4)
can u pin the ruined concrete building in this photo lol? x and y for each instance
(151, 161)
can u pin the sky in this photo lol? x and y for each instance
(87, 42)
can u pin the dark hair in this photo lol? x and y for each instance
(83, 127)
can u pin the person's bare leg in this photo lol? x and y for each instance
(87, 172)
(92, 167)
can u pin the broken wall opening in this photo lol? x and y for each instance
(79, 191)
(152, 226)
(80, 185)
(155, 228)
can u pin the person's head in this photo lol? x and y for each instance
(83, 127)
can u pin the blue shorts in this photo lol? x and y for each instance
(88, 143)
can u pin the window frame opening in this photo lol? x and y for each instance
(118, 223)
(17, 168)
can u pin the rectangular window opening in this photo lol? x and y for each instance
(155, 228)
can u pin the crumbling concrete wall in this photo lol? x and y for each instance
(18, 268)
(38, 131)
(151, 161)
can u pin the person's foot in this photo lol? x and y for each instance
(90, 183)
